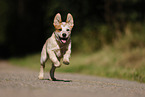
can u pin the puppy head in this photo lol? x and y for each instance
(63, 29)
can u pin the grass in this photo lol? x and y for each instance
(123, 58)
(108, 62)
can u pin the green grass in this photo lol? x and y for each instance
(121, 56)
(108, 62)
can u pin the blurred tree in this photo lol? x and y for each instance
(25, 28)
(3, 20)
(26, 24)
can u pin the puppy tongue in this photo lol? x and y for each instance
(63, 41)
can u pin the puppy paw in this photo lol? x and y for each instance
(66, 62)
(40, 76)
(53, 79)
(57, 64)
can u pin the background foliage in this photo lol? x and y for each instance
(26, 24)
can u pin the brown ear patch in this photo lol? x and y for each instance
(69, 20)
(57, 21)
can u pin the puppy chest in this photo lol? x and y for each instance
(60, 52)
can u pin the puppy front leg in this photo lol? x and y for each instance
(53, 58)
(66, 57)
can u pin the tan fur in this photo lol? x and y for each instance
(57, 46)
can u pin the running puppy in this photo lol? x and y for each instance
(58, 45)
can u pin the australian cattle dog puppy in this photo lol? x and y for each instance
(58, 45)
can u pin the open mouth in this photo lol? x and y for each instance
(63, 40)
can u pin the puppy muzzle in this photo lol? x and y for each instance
(63, 39)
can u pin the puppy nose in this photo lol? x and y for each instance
(64, 35)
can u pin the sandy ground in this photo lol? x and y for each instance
(20, 82)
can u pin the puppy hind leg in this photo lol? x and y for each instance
(52, 73)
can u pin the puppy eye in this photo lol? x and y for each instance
(59, 29)
(67, 29)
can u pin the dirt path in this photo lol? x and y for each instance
(19, 82)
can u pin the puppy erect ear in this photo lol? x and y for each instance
(57, 20)
(69, 20)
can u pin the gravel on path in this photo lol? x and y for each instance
(21, 82)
